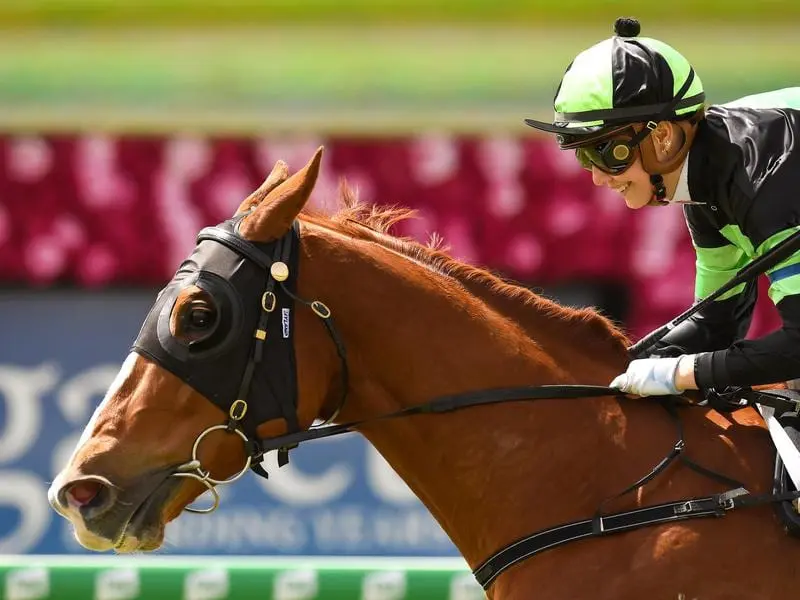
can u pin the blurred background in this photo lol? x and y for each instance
(126, 126)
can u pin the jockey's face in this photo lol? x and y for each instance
(634, 184)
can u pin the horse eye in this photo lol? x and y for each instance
(198, 320)
(201, 318)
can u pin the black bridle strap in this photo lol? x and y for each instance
(677, 452)
(251, 252)
(237, 244)
(324, 313)
(454, 402)
(258, 347)
(717, 505)
(598, 526)
(446, 404)
(287, 403)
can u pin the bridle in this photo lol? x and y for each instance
(276, 265)
(278, 273)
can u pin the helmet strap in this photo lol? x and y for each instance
(659, 190)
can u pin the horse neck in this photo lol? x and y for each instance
(584, 340)
(413, 335)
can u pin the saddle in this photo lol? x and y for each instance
(786, 406)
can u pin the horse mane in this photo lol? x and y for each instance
(373, 223)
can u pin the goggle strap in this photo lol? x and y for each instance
(664, 114)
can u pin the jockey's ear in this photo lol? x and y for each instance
(278, 175)
(275, 214)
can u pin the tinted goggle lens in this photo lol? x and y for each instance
(610, 156)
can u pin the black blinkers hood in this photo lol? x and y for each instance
(235, 273)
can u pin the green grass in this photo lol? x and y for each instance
(126, 13)
(258, 77)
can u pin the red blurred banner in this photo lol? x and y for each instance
(94, 211)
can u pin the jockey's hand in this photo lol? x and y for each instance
(649, 377)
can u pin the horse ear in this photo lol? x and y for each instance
(275, 214)
(278, 175)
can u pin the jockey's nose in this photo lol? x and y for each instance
(599, 177)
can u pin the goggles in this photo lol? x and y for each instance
(612, 156)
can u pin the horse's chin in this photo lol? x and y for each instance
(92, 541)
(144, 531)
(144, 540)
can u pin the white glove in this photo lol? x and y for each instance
(649, 377)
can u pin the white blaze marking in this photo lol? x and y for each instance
(124, 372)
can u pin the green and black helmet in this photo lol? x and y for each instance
(622, 80)
(620, 89)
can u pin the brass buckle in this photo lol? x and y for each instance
(268, 301)
(238, 410)
(320, 309)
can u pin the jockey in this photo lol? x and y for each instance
(632, 109)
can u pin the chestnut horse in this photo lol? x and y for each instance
(411, 325)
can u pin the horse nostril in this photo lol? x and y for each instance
(88, 495)
(83, 492)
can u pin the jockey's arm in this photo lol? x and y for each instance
(714, 328)
(773, 357)
(676, 358)
(725, 320)
(723, 357)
